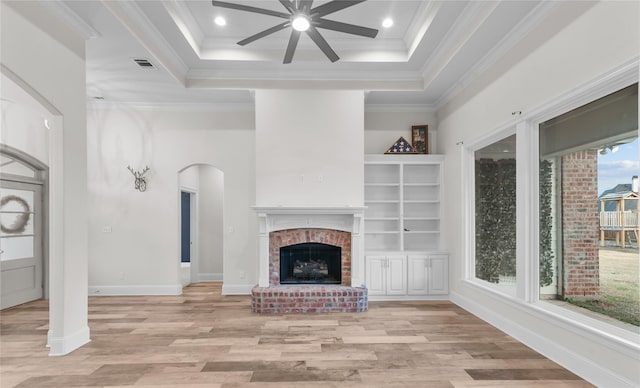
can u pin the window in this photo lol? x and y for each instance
(495, 213)
(588, 192)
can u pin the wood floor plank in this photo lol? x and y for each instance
(203, 339)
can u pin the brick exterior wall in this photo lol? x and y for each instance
(283, 238)
(580, 225)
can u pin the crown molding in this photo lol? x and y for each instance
(186, 23)
(473, 17)
(71, 19)
(134, 20)
(317, 74)
(519, 32)
(428, 108)
(417, 30)
(174, 106)
(311, 84)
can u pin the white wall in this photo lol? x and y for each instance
(309, 148)
(189, 178)
(141, 253)
(22, 121)
(384, 127)
(559, 56)
(49, 59)
(210, 217)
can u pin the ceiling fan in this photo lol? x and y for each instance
(302, 18)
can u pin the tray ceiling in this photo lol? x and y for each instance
(430, 52)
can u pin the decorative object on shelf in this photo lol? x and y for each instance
(140, 183)
(419, 138)
(401, 146)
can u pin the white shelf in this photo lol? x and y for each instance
(403, 192)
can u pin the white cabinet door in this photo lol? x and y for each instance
(396, 275)
(438, 274)
(375, 274)
(417, 275)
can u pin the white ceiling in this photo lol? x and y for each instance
(433, 49)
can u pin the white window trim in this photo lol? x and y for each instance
(526, 128)
(468, 163)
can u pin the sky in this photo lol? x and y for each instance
(618, 167)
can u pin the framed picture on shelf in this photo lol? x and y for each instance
(419, 139)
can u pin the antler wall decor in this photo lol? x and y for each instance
(140, 183)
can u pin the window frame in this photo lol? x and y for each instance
(526, 127)
(469, 149)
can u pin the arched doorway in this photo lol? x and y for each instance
(201, 227)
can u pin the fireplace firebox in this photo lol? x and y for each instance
(310, 263)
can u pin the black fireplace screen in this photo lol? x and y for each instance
(310, 263)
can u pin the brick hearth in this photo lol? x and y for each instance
(308, 299)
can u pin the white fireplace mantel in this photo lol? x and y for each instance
(345, 218)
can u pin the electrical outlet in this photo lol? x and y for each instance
(106, 229)
(243, 274)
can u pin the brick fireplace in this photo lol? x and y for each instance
(283, 227)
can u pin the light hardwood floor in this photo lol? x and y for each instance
(203, 339)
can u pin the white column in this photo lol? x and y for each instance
(263, 251)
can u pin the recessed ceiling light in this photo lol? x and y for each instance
(388, 22)
(220, 21)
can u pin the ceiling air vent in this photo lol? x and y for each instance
(144, 63)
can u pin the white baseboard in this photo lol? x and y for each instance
(380, 298)
(574, 362)
(135, 290)
(59, 346)
(209, 277)
(237, 289)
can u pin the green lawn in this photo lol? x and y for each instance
(619, 286)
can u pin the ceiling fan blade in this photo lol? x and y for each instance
(322, 44)
(346, 28)
(291, 48)
(288, 5)
(305, 5)
(264, 33)
(333, 6)
(247, 8)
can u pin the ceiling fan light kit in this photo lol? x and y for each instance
(302, 18)
(300, 23)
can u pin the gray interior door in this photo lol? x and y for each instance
(21, 256)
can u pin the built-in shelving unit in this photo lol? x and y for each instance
(403, 196)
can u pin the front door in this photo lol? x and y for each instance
(21, 256)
